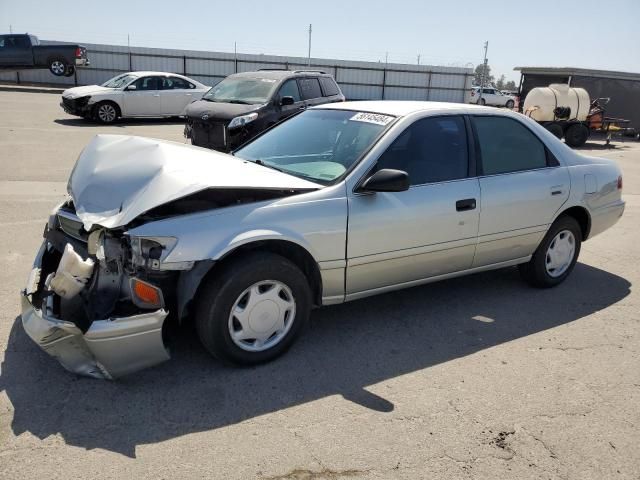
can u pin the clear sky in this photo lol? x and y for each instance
(587, 34)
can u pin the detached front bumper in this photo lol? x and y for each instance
(110, 348)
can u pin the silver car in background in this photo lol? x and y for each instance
(338, 203)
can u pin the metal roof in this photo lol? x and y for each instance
(584, 72)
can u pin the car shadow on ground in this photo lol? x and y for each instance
(122, 122)
(347, 348)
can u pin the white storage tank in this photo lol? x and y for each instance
(557, 102)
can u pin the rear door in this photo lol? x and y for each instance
(523, 186)
(176, 94)
(310, 91)
(144, 99)
(330, 90)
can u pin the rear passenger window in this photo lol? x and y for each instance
(176, 83)
(508, 146)
(430, 150)
(329, 87)
(290, 89)
(309, 88)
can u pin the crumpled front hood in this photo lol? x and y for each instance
(77, 92)
(218, 111)
(119, 177)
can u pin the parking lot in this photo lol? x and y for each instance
(477, 377)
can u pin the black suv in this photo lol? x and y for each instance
(245, 104)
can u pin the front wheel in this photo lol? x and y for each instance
(556, 255)
(510, 104)
(482, 101)
(253, 309)
(106, 112)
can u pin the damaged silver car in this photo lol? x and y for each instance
(340, 202)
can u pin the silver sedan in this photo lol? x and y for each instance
(338, 203)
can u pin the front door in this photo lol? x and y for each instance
(144, 98)
(290, 89)
(429, 230)
(522, 186)
(15, 50)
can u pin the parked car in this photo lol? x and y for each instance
(340, 202)
(134, 94)
(245, 104)
(492, 96)
(23, 51)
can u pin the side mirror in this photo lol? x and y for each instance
(284, 101)
(386, 180)
(131, 87)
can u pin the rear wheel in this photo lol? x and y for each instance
(106, 112)
(69, 71)
(57, 66)
(576, 135)
(556, 255)
(482, 101)
(252, 310)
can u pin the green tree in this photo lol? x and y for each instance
(488, 78)
(510, 85)
(500, 84)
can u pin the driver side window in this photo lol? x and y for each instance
(290, 89)
(430, 150)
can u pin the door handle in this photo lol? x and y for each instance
(466, 204)
(156, 94)
(188, 94)
(557, 190)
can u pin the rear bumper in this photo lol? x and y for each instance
(109, 349)
(82, 62)
(605, 217)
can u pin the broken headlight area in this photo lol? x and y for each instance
(124, 275)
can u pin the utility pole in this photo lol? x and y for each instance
(309, 55)
(484, 71)
(10, 28)
(418, 59)
(235, 56)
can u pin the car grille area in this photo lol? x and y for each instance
(209, 135)
(71, 225)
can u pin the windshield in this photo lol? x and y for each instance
(119, 81)
(242, 90)
(319, 145)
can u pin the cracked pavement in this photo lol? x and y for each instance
(477, 377)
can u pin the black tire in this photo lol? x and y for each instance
(58, 66)
(482, 101)
(510, 104)
(219, 293)
(556, 129)
(535, 271)
(106, 112)
(69, 71)
(576, 135)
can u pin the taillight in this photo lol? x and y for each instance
(78, 52)
(620, 182)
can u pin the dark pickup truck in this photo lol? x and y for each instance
(24, 51)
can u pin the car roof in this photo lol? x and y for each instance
(280, 74)
(401, 108)
(161, 74)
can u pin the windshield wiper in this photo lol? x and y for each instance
(261, 163)
(241, 102)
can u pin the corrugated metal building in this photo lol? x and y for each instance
(622, 87)
(358, 80)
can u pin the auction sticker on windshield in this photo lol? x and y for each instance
(376, 118)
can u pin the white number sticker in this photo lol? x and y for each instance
(376, 118)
